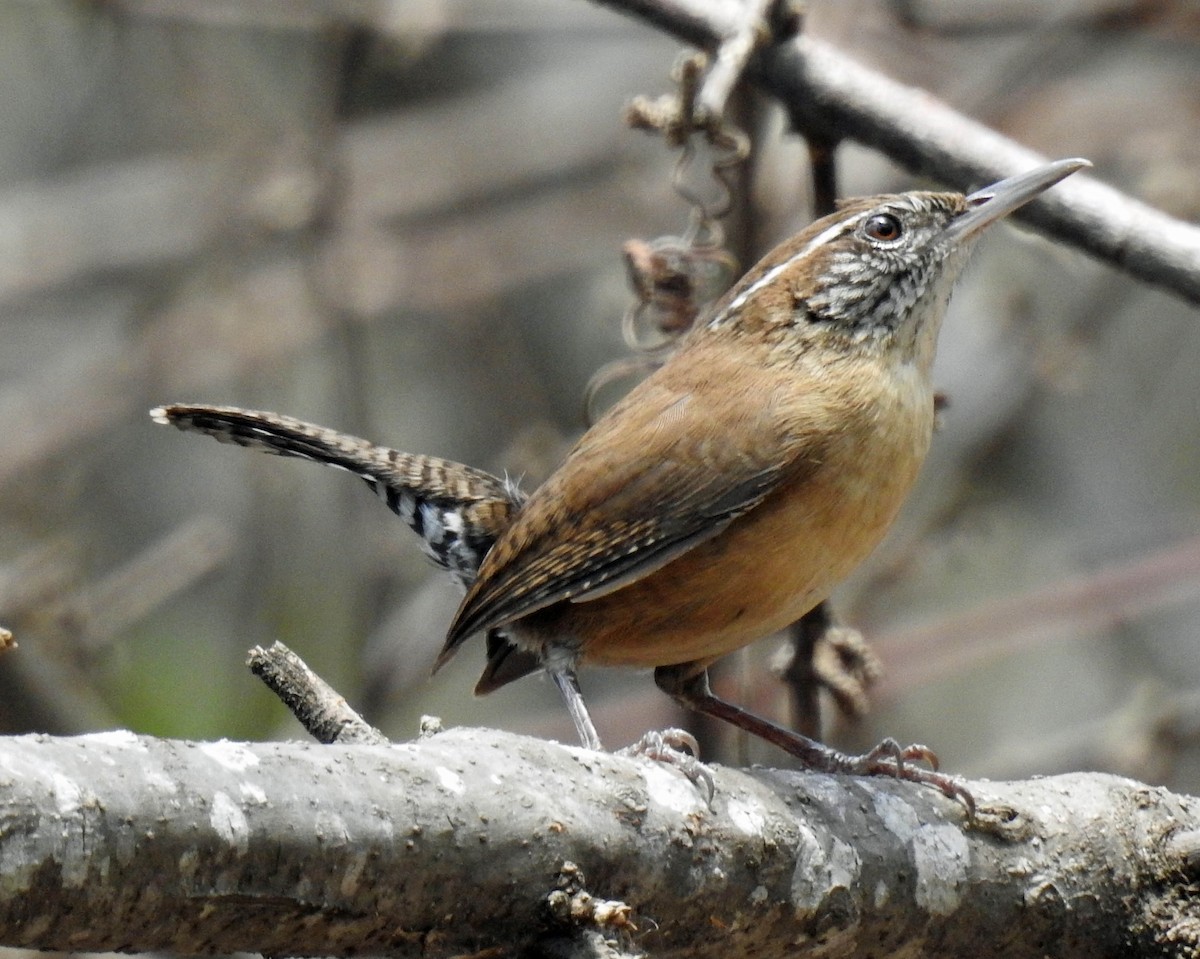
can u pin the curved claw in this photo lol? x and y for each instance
(672, 741)
(668, 747)
(917, 753)
(949, 786)
(888, 758)
(876, 761)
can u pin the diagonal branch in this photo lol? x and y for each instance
(315, 704)
(831, 97)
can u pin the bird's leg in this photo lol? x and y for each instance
(568, 686)
(691, 688)
(665, 747)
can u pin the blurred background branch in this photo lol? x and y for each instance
(830, 97)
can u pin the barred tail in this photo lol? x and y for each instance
(456, 510)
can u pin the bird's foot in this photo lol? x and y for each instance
(678, 748)
(889, 758)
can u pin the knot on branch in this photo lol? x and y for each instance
(572, 904)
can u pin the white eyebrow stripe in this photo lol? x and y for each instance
(821, 238)
(761, 282)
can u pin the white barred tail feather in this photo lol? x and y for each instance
(457, 511)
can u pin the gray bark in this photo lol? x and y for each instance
(458, 843)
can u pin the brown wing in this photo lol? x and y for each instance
(606, 519)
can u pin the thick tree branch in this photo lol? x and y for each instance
(458, 843)
(831, 97)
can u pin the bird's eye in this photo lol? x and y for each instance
(883, 226)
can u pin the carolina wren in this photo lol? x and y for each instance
(726, 494)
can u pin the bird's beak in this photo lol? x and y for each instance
(991, 203)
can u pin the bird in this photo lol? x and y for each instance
(725, 495)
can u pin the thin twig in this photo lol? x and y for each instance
(799, 675)
(729, 62)
(822, 159)
(702, 23)
(318, 707)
